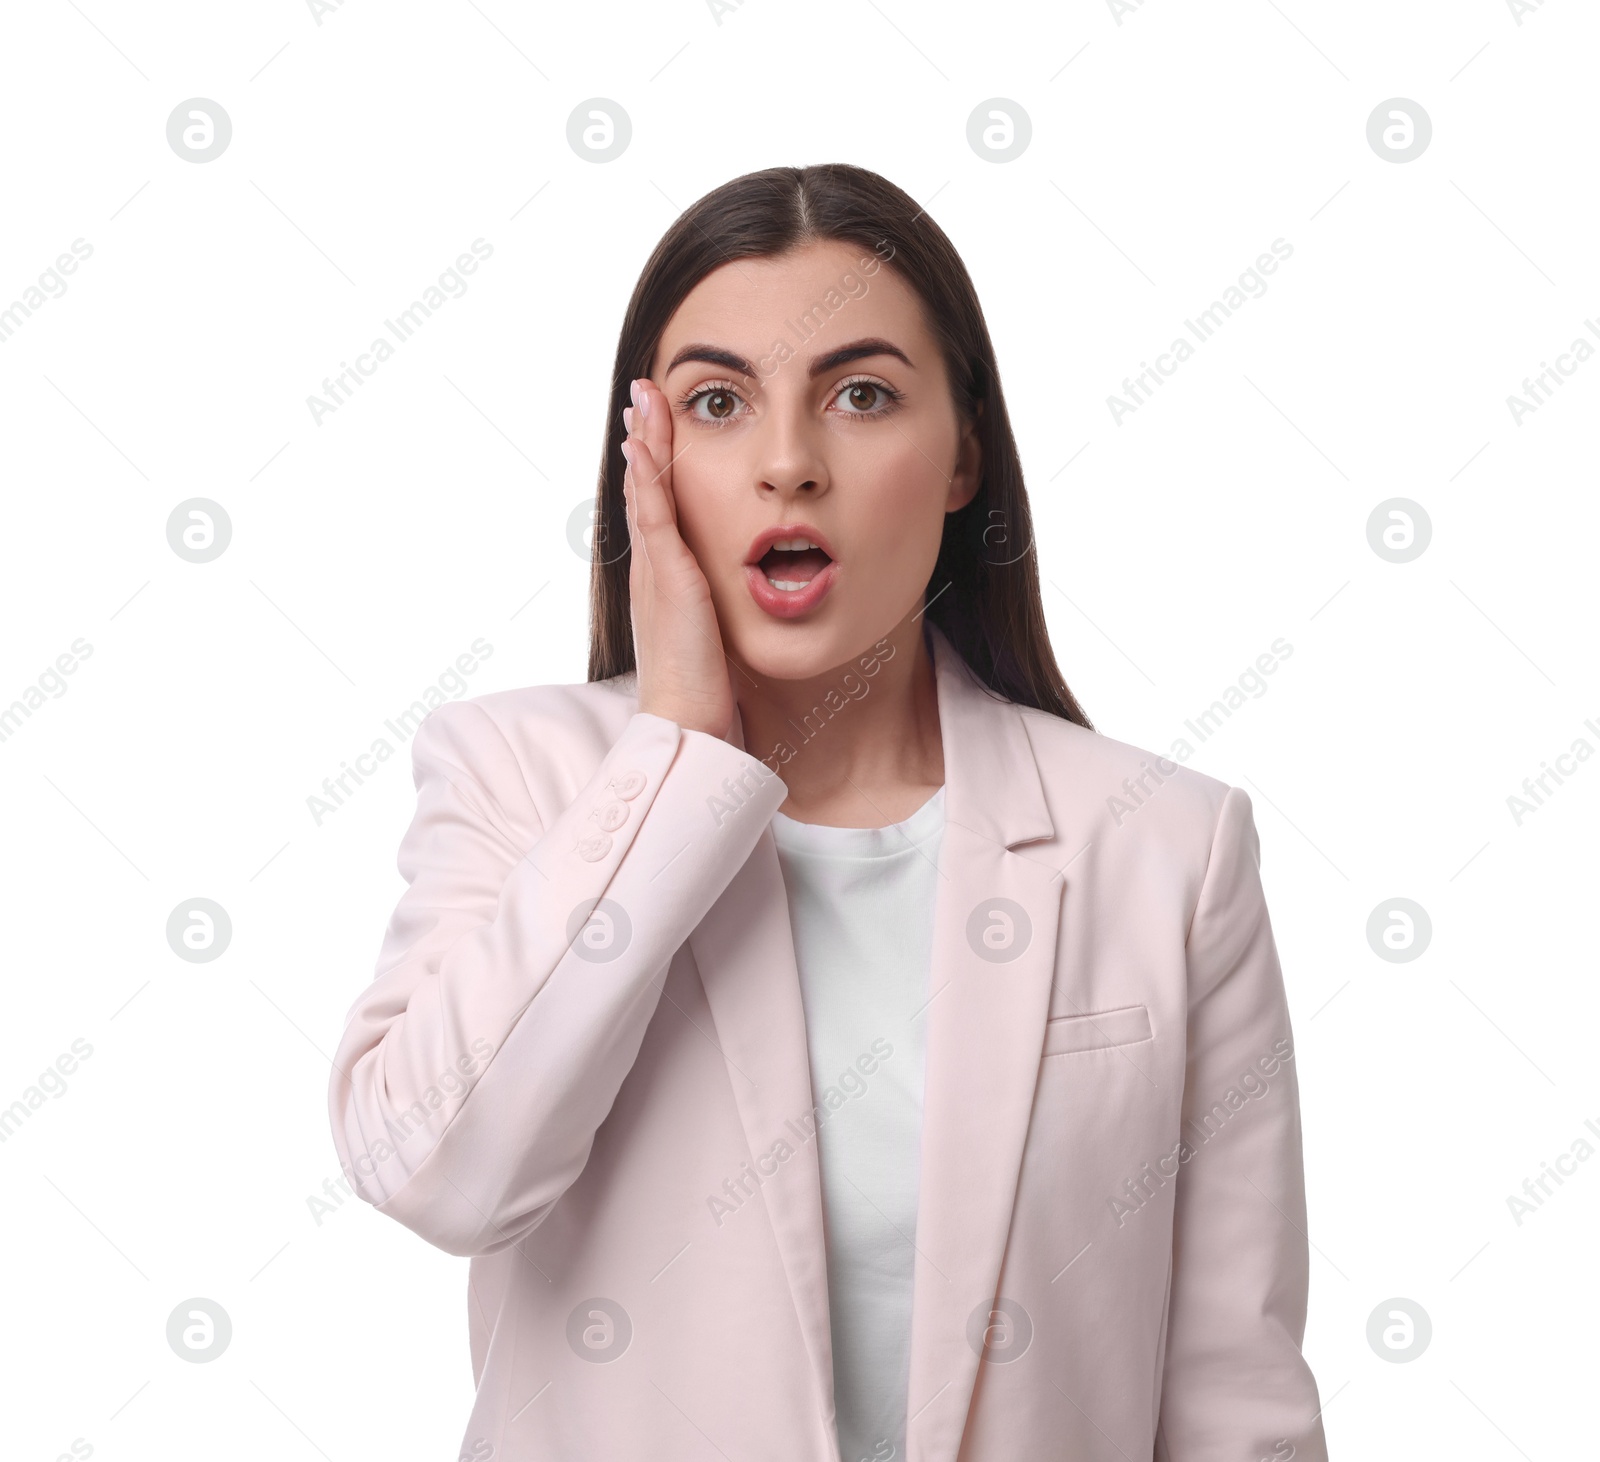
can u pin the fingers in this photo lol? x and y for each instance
(649, 422)
(647, 483)
(648, 450)
(652, 421)
(627, 509)
(649, 506)
(638, 531)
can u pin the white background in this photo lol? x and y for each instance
(370, 550)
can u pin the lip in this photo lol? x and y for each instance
(786, 603)
(768, 536)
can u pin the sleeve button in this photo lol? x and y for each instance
(593, 849)
(629, 785)
(611, 816)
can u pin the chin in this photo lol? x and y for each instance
(799, 649)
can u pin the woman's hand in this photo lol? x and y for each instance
(677, 645)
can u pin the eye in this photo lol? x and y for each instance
(866, 396)
(721, 400)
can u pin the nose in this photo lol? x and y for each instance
(790, 460)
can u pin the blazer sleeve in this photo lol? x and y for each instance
(1235, 1386)
(522, 964)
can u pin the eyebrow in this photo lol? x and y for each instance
(855, 350)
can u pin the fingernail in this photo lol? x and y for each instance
(633, 392)
(627, 452)
(643, 401)
(627, 417)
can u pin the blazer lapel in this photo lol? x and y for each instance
(996, 915)
(996, 919)
(744, 948)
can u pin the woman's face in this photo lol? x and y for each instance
(809, 404)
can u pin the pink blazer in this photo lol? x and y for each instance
(583, 1063)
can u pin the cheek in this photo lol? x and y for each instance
(905, 509)
(704, 522)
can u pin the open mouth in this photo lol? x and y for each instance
(790, 564)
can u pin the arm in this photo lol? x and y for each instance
(1235, 1386)
(476, 1067)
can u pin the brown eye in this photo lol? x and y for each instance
(719, 403)
(864, 399)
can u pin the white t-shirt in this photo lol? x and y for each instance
(861, 908)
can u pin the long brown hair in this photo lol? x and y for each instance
(984, 591)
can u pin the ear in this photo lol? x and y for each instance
(967, 477)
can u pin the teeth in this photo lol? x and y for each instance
(787, 585)
(794, 545)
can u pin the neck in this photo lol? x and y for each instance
(864, 734)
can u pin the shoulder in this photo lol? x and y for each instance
(1097, 786)
(1140, 830)
(528, 749)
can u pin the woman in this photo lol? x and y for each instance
(825, 1044)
